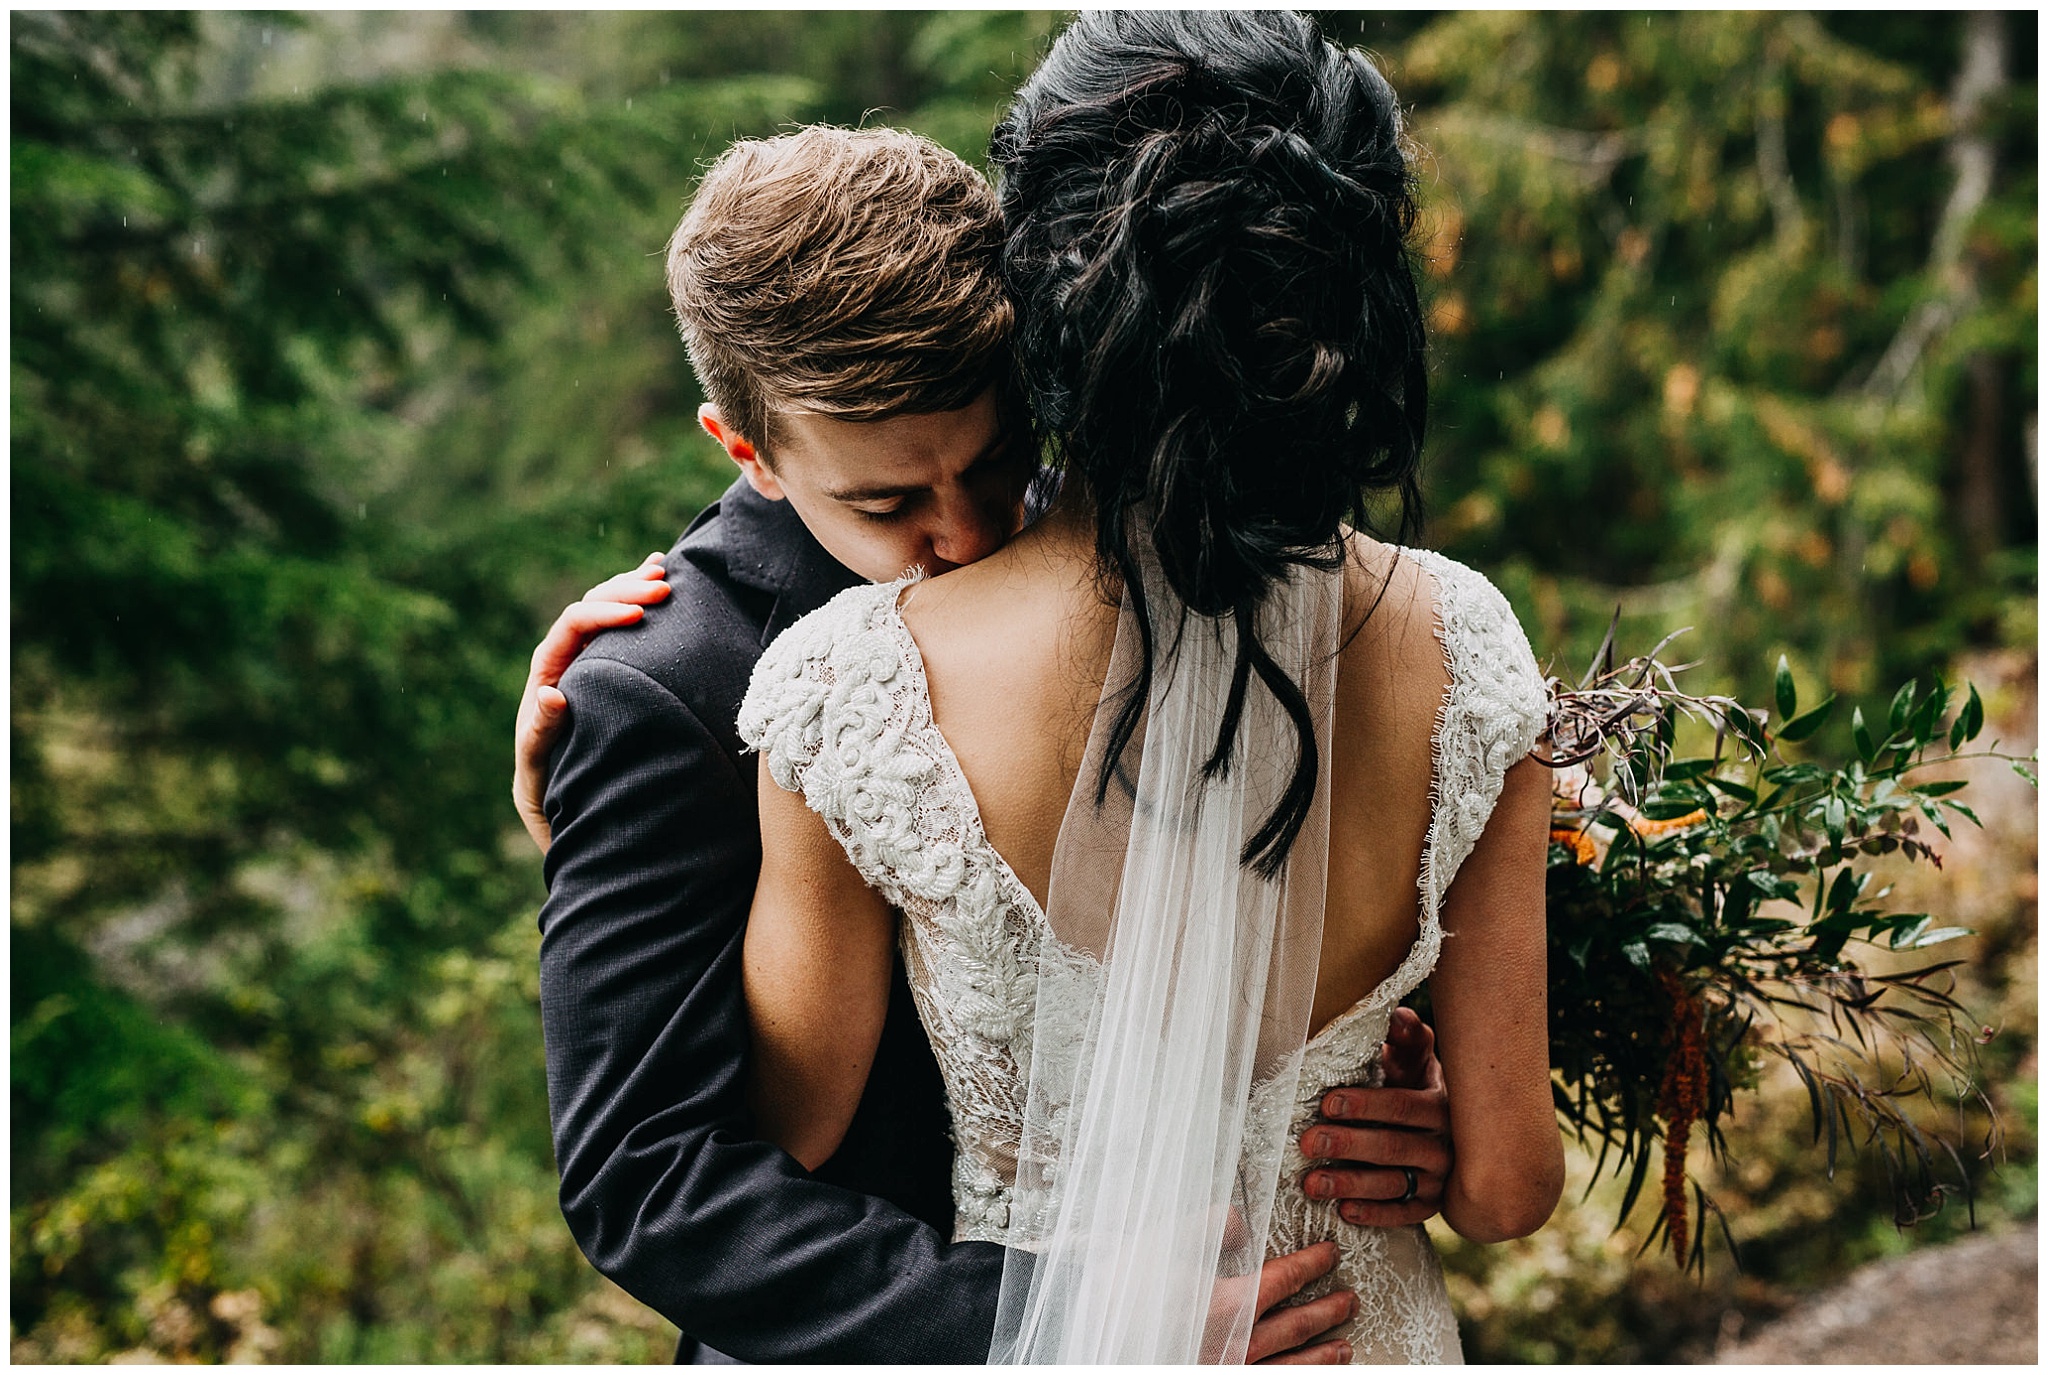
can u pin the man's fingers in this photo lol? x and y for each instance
(1372, 1184)
(1408, 1059)
(1376, 1146)
(550, 700)
(1421, 1108)
(1286, 1328)
(1409, 1056)
(1364, 1214)
(1322, 1353)
(1283, 1276)
(1406, 1027)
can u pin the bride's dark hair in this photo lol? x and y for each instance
(1207, 216)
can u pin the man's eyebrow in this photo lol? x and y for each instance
(905, 489)
(875, 493)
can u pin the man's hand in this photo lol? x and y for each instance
(1304, 1334)
(542, 707)
(1370, 1135)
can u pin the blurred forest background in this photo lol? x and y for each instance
(341, 360)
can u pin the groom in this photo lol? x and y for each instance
(840, 295)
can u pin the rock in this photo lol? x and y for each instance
(1969, 1302)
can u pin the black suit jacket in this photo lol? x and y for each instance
(656, 851)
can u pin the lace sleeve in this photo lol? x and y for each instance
(833, 707)
(1494, 709)
(783, 715)
(1514, 693)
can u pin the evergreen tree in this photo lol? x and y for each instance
(1734, 326)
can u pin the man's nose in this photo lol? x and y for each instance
(967, 531)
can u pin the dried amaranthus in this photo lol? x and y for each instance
(1680, 1100)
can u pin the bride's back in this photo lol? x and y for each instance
(1015, 651)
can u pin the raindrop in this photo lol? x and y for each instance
(629, 102)
(266, 38)
(362, 509)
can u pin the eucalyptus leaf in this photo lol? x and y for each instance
(1787, 774)
(1926, 719)
(1741, 792)
(1969, 721)
(1670, 807)
(1962, 810)
(1902, 706)
(1804, 725)
(1788, 695)
(1907, 935)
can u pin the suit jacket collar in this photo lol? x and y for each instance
(768, 548)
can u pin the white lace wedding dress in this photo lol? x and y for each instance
(840, 707)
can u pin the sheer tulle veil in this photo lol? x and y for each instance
(1175, 985)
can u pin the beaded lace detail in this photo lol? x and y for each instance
(840, 708)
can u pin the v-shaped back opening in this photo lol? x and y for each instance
(1421, 952)
(949, 759)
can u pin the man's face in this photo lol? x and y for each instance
(881, 495)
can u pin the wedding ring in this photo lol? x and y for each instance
(1408, 1170)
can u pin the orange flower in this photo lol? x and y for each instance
(1642, 826)
(1584, 851)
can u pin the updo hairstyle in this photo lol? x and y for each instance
(1206, 219)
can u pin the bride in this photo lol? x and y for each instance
(1175, 797)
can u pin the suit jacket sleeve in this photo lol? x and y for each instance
(656, 850)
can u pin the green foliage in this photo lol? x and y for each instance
(255, 730)
(340, 360)
(1720, 336)
(1714, 899)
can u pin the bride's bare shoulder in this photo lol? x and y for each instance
(1389, 600)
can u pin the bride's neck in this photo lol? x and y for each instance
(1068, 525)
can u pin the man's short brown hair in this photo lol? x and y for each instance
(849, 272)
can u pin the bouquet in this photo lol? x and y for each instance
(1705, 913)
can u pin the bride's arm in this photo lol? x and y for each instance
(819, 949)
(1492, 1024)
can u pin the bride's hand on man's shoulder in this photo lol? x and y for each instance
(1388, 1149)
(543, 710)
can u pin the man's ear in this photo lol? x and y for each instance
(741, 451)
